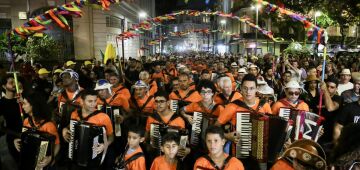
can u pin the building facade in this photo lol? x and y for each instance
(90, 33)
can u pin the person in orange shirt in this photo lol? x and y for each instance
(158, 75)
(170, 70)
(133, 158)
(227, 95)
(292, 101)
(69, 99)
(185, 95)
(39, 119)
(170, 147)
(117, 87)
(217, 159)
(145, 77)
(249, 104)
(90, 114)
(110, 103)
(163, 114)
(141, 103)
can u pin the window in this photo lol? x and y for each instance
(112, 21)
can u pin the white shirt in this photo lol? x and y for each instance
(343, 87)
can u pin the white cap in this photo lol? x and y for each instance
(234, 64)
(102, 84)
(293, 84)
(266, 90)
(242, 70)
(253, 66)
(261, 82)
(140, 83)
(346, 71)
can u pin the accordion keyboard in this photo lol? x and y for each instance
(72, 134)
(285, 113)
(196, 128)
(155, 136)
(243, 127)
(174, 105)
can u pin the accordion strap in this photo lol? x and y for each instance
(140, 109)
(186, 96)
(33, 126)
(214, 107)
(227, 101)
(87, 117)
(287, 104)
(207, 157)
(119, 89)
(157, 117)
(133, 158)
(244, 105)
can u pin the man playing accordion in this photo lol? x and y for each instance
(88, 114)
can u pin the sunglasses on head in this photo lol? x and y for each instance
(291, 93)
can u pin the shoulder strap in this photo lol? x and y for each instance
(189, 94)
(133, 158)
(113, 97)
(178, 94)
(33, 126)
(214, 108)
(231, 95)
(226, 161)
(221, 95)
(287, 104)
(87, 117)
(132, 98)
(242, 104)
(120, 89)
(207, 157)
(146, 102)
(157, 117)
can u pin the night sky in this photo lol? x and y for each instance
(167, 6)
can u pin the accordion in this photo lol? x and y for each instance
(201, 123)
(157, 131)
(304, 124)
(174, 105)
(35, 146)
(114, 113)
(83, 138)
(261, 136)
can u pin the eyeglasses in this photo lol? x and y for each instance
(160, 101)
(291, 93)
(206, 92)
(248, 89)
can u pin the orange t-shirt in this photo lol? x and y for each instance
(283, 103)
(118, 101)
(231, 109)
(137, 164)
(193, 98)
(161, 76)
(177, 122)
(160, 163)
(232, 164)
(195, 107)
(219, 98)
(153, 88)
(149, 108)
(282, 165)
(48, 127)
(172, 71)
(100, 119)
(61, 98)
(124, 92)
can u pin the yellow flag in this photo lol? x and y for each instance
(110, 52)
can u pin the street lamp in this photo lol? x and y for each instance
(317, 14)
(223, 22)
(142, 15)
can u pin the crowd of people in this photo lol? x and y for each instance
(131, 98)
